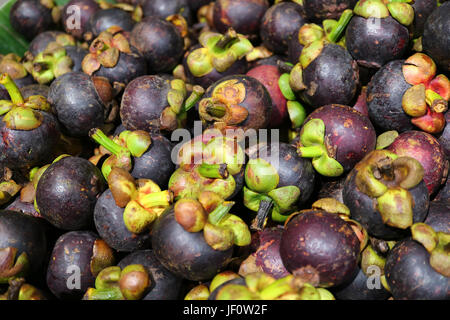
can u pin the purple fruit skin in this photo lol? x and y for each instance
(373, 42)
(438, 216)
(164, 8)
(444, 139)
(85, 8)
(323, 241)
(422, 9)
(103, 19)
(73, 248)
(30, 17)
(40, 42)
(108, 218)
(164, 284)
(318, 10)
(279, 24)
(384, 98)
(332, 77)
(410, 276)
(348, 130)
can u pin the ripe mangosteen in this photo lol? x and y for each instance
(436, 39)
(325, 72)
(268, 75)
(277, 182)
(418, 268)
(319, 242)
(111, 56)
(444, 138)
(156, 104)
(426, 149)
(444, 193)
(404, 93)
(336, 137)
(237, 101)
(165, 8)
(422, 9)
(81, 102)
(386, 194)
(77, 258)
(164, 284)
(148, 155)
(42, 40)
(67, 192)
(23, 243)
(217, 56)
(29, 131)
(438, 217)
(124, 213)
(196, 254)
(210, 163)
(279, 24)
(31, 17)
(75, 16)
(244, 16)
(159, 42)
(378, 33)
(317, 11)
(102, 20)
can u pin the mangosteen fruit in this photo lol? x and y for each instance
(31, 17)
(317, 11)
(104, 19)
(75, 16)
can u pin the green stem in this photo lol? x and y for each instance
(213, 171)
(197, 93)
(265, 206)
(337, 30)
(155, 199)
(216, 110)
(311, 152)
(219, 212)
(98, 136)
(11, 87)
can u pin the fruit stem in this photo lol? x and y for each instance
(265, 206)
(11, 87)
(213, 171)
(337, 30)
(227, 39)
(311, 152)
(156, 199)
(197, 93)
(219, 212)
(216, 110)
(98, 136)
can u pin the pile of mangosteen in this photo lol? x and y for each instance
(225, 150)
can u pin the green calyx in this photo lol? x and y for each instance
(174, 115)
(20, 114)
(311, 52)
(297, 113)
(8, 189)
(11, 64)
(385, 139)
(386, 177)
(200, 292)
(112, 283)
(284, 84)
(261, 286)
(370, 259)
(127, 144)
(261, 176)
(223, 230)
(50, 64)
(224, 150)
(312, 145)
(437, 244)
(218, 52)
(12, 266)
(400, 10)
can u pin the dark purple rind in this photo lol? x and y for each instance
(436, 36)
(159, 42)
(34, 89)
(279, 24)
(103, 19)
(294, 49)
(108, 218)
(347, 130)
(323, 241)
(444, 139)
(373, 42)
(164, 8)
(318, 10)
(26, 234)
(76, 103)
(72, 250)
(41, 41)
(363, 209)
(143, 101)
(186, 254)
(410, 276)
(30, 18)
(422, 9)
(439, 216)
(164, 284)
(67, 192)
(26, 148)
(78, 25)
(384, 98)
(332, 77)
(76, 54)
(129, 66)
(244, 16)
